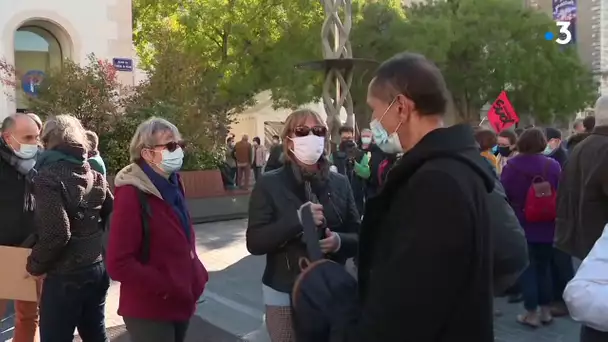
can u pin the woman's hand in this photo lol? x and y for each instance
(331, 243)
(317, 213)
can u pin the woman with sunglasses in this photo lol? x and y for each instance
(160, 275)
(274, 227)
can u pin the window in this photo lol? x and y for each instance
(37, 51)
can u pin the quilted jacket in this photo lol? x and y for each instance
(274, 228)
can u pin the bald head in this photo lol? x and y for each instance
(36, 119)
(601, 111)
(20, 129)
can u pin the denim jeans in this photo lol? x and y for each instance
(562, 271)
(536, 280)
(74, 300)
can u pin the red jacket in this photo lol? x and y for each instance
(169, 285)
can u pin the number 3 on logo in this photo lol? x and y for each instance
(565, 36)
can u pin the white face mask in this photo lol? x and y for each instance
(26, 151)
(172, 161)
(308, 149)
(388, 143)
(366, 140)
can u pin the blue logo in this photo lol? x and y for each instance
(564, 36)
(31, 81)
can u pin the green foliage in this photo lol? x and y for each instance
(486, 46)
(481, 46)
(90, 92)
(114, 144)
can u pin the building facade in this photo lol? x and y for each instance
(591, 34)
(36, 35)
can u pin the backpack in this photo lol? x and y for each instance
(541, 200)
(144, 256)
(324, 297)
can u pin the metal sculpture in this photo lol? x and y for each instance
(338, 64)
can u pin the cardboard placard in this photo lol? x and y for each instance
(13, 282)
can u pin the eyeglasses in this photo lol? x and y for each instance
(173, 145)
(302, 131)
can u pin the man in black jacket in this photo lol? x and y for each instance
(425, 267)
(18, 152)
(275, 159)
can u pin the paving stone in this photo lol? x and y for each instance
(235, 284)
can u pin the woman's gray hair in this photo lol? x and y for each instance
(64, 129)
(146, 136)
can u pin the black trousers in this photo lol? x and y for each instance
(592, 335)
(145, 330)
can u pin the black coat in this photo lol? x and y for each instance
(559, 155)
(17, 223)
(373, 183)
(274, 158)
(425, 272)
(274, 228)
(582, 197)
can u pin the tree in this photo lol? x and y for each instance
(482, 48)
(486, 46)
(371, 37)
(90, 92)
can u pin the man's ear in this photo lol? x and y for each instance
(405, 106)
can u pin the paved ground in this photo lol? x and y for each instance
(232, 301)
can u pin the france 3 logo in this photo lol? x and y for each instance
(564, 35)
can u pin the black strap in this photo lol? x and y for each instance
(310, 236)
(145, 225)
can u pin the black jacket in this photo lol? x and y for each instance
(274, 157)
(373, 183)
(559, 155)
(17, 221)
(274, 228)
(425, 257)
(582, 197)
(71, 199)
(510, 256)
(346, 168)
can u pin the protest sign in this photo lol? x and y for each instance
(502, 115)
(13, 281)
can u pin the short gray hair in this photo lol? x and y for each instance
(10, 121)
(601, 111)
(146, 136)
(64, 129)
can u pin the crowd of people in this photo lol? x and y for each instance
(437, 220)
(55, 199)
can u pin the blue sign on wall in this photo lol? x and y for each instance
(31, 81)
(123, 64)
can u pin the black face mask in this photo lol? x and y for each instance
(504, 151)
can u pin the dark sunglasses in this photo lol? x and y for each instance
(173, 145)
(302, 131)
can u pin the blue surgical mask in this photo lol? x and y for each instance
(172, 161)
(548, 150)
(388, 143)
(26, 151)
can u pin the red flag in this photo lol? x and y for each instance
(502, 115)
